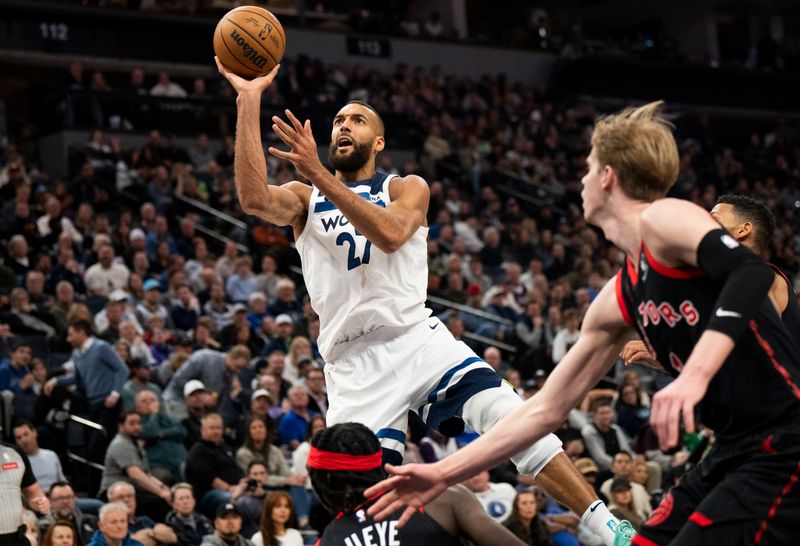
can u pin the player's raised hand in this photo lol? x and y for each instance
(241, 85)
(670, 403)
(412, 485)
(303, 148)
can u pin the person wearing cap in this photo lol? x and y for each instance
(284, 326)
(139, 381)
(118, 309)
(152, 304)
(107, 274)
(198, 402)
(136, 238)
(622, 504)
(588, 469)
(621, 467)
(345, 459)
(217, 371)
(227, 524)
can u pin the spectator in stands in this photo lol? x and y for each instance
(602, 437)
(252, 499)
(61, 534)
(299, 351)
(165, 87)
(99, 375)
(315, 388)
(216, 307)
(257, 448)
(25, 320)
(294, 423)
(621, 467)
(242, 282)
(211, 467)
(63, 508)
(141, 373)
(567, 336)
(142, 528)
(185, 311)
(227, 525)
(34, 285)
(107, 274)
(622, 502)
(211, 368)
(228, 336)
(15, 370)
(65, 297)
(277, 519)
(52, 223)
(151, 304)
(163, 438)
(113, 527)
(284, 325)
(286, 302)
(189, 526)
(198, 402)
(267, 280)
(127, 462)
(44, 463)
(200, 152)
(632, 415)
(494, 358)
(496, 498)
(525, 522)
(19, 259)
(257, 310)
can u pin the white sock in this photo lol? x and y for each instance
(601, 521)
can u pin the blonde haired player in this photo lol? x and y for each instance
(699, 301)
(361, 238)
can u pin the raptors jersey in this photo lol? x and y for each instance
(758, 386)
(359, 292)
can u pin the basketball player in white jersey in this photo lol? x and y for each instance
(361, 238)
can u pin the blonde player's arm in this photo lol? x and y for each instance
(603, 334)
(280, 205)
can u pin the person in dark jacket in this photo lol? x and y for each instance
(190, 526)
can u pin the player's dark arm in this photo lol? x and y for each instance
(473, 522)
(387, 228)
(279, 205)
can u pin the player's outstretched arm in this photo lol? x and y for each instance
(281, 206)
(603, 334)
(697, 240)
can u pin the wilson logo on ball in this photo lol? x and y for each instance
(249, 52)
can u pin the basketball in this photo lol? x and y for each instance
(249, 41)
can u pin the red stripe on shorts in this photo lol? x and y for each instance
(774, 508)
(639, 540)
(700, 519)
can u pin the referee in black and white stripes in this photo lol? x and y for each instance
(16, 479)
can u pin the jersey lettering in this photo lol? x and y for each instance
(668, 314)
(689, 312)
(385, 532)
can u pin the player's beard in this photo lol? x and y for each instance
(349, 163)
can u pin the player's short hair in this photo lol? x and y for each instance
(381, 126)
(755, 212)
(342, 490)
(638, 144)
(82, 325)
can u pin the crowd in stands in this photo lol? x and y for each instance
(199, 359)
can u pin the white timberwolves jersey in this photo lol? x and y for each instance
(356, 288)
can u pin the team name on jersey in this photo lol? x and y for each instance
(653, 313)
(383, 533)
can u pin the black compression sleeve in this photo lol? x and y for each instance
(747, 280)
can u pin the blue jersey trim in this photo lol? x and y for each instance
(473, 382)
(392, 434)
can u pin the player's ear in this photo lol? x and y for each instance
(379, 145)
(744, 229)
(608, 177)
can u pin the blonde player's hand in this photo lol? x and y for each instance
(637, 351)
(241, 85)
(298, 136)
(674, 401)
(412, 485)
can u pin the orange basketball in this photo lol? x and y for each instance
(249, 41)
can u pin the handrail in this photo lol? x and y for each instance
(87, 462)
(471, 310)
(87, 423)
(209, 210)
(490, 341)
(214, 235)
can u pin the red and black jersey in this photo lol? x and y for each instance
(790, 315)
(758, 386)
(359, 529)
